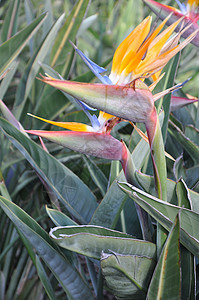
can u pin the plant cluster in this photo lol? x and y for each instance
(103, 200)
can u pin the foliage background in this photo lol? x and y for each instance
(23, 274)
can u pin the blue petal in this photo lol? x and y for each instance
(84, 106)
(93, 67)
(93, 119)
(182, 7)
(180, 85)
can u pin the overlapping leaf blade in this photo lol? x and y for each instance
(165, 213)
(68, 277)
(66, 185)
(165, 283)
(127, 276)
(10, 49)
(92, 240)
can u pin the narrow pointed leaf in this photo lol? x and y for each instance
(68, 32)
(65, 184)
(47, 44)
(97, 175)
(164, 213)
(165, 283)
(15, 45)
(9, 27)
(188, 266)
(44, 279)
(91, 240)
(67, 276)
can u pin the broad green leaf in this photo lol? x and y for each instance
(59, 218)
(165, 283)
(164, 213)
(67, 276)
(92, 240)
(63, 182)
(127, 276)
(9, 27)
(10, 49)
(147, 183)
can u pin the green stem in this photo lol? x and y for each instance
(129, 171)
(159, 166)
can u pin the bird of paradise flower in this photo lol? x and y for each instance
(190, 12)
(123, 95)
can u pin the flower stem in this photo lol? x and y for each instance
(159, 166)
(129, 171)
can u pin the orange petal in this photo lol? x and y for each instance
(155, 48)
(144, 47)
(162, 60)
(74, 126)
(131, 43)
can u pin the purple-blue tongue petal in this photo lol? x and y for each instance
(97, 70)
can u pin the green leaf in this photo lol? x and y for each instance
(9, 27)
(192, 133)
(10, 49)
(43, 51)
(164, 213)
(8, 78)
(96, 174)
(67, 276)
(127, 276)
(185, 142)
(44, 279)
(187, 259)
(92, 240)
(59, 218)
(32, 68)
(68, 32)
(170, 75)
(63, 182)
(166, 280)
(2, 285)
(147, 183)
(108, 211)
